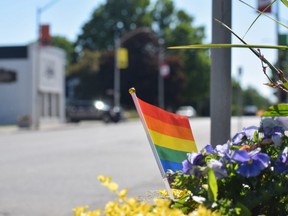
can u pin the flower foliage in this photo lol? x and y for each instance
(248, 175)
(251, 173)
(132, 206)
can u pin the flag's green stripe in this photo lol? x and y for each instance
(170, 154)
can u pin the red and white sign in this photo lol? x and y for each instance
(262, 4)
(164, 70)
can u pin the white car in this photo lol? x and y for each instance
(188, 111)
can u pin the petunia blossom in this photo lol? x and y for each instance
(223, 150)
(190, 165)
(218, 168)
(283, 121)
(281, 164)
(250, 163)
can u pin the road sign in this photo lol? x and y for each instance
(164, 70)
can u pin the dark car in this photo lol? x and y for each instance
(188, 111)
(78, 110)
(250, 110)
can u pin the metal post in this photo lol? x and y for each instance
(240, 100)
(36, 74)
(116, 75)
(160, 77)
(220, 87)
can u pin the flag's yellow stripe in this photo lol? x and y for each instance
(168, 129)
(172, 142)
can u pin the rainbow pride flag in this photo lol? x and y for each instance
(170, 134)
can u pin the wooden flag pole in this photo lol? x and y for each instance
(132, 91)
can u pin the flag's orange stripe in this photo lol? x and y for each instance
(163, 115)
(168, 129)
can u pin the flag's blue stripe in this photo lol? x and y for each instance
(169, 165)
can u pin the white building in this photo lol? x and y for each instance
(39, 89)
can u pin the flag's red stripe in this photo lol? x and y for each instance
(163, 115)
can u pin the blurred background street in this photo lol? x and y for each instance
(63, 63)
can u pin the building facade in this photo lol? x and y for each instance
(38, 90)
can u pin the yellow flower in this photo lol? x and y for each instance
(80, 211)
(112, 186)
(94, 213)
(176, 193)
(104, 180)
(122, 194)
(203, 211)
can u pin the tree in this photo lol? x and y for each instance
(111, 20)
(140, 27)
(196, 63)
(250, 96)
(65, 44)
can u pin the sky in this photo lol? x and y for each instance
(19, 20)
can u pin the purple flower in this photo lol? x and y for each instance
(251, 163)
(209, 149)
(247, 133)
(218, 168)
(281, 165)
(223, 150)
(271, 126)
(277, 138)
(283, 121)
(250, 131)
(270, 131)
(238, 138)
(190, 166)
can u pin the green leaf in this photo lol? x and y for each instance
(208, 46)
(260, 13)
(212, 186)
(285, 2)
(285, 85)
(244, 211)
(277, 110)
(264, 14)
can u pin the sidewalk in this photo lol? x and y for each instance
(47, 126)
(5, 129)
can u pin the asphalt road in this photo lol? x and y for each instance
(49, 172)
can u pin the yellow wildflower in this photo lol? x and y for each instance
(122, 194)
(104, 180)
(203, 211)
(177, 193)
(112, 186)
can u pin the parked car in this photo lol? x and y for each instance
(188, 111)
(250, 110)
(78, 110)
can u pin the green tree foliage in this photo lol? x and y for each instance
(251, 96)
(65, 44)
(246, 97)
(140, 26)
(112, 19)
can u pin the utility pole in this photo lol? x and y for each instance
(161, 100)
(116, 74)
(220, 84)
(240, 99)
